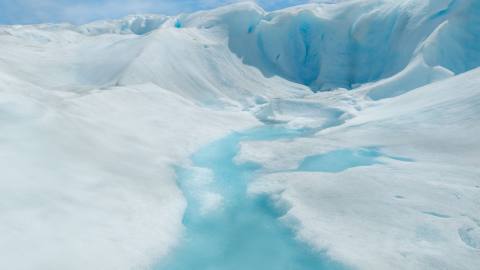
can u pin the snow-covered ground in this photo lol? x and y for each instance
(417, 211)
(94, 117)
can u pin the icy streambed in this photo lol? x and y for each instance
(226, 228)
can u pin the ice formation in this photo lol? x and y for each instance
(94, 118)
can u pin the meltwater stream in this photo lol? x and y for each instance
(226, 229)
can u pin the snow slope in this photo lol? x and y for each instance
(86, 179)
(93, 117)
(416, 211)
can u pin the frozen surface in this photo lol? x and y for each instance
(417, 208)
(94, 119)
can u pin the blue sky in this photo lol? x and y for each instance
(81, 11)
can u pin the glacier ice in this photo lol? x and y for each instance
(384, 210)
(94, 118)
(241, 231)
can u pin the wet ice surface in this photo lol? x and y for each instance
(236, 231)
(340, 160)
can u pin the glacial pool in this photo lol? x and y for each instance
(227, 229)
(343, 159)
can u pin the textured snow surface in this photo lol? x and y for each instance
(409, 208)
(86, 179)
(94, 117)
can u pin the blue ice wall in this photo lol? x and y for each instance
(343, 45)
(328, 46)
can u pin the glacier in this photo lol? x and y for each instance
(369, 160)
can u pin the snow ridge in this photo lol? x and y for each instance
(322, 46)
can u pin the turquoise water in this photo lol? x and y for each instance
(340, 160)
(244, 233)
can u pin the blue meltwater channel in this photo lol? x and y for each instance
(243, 232)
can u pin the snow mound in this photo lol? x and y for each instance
(134, 24)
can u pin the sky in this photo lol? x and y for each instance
(82, 11)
